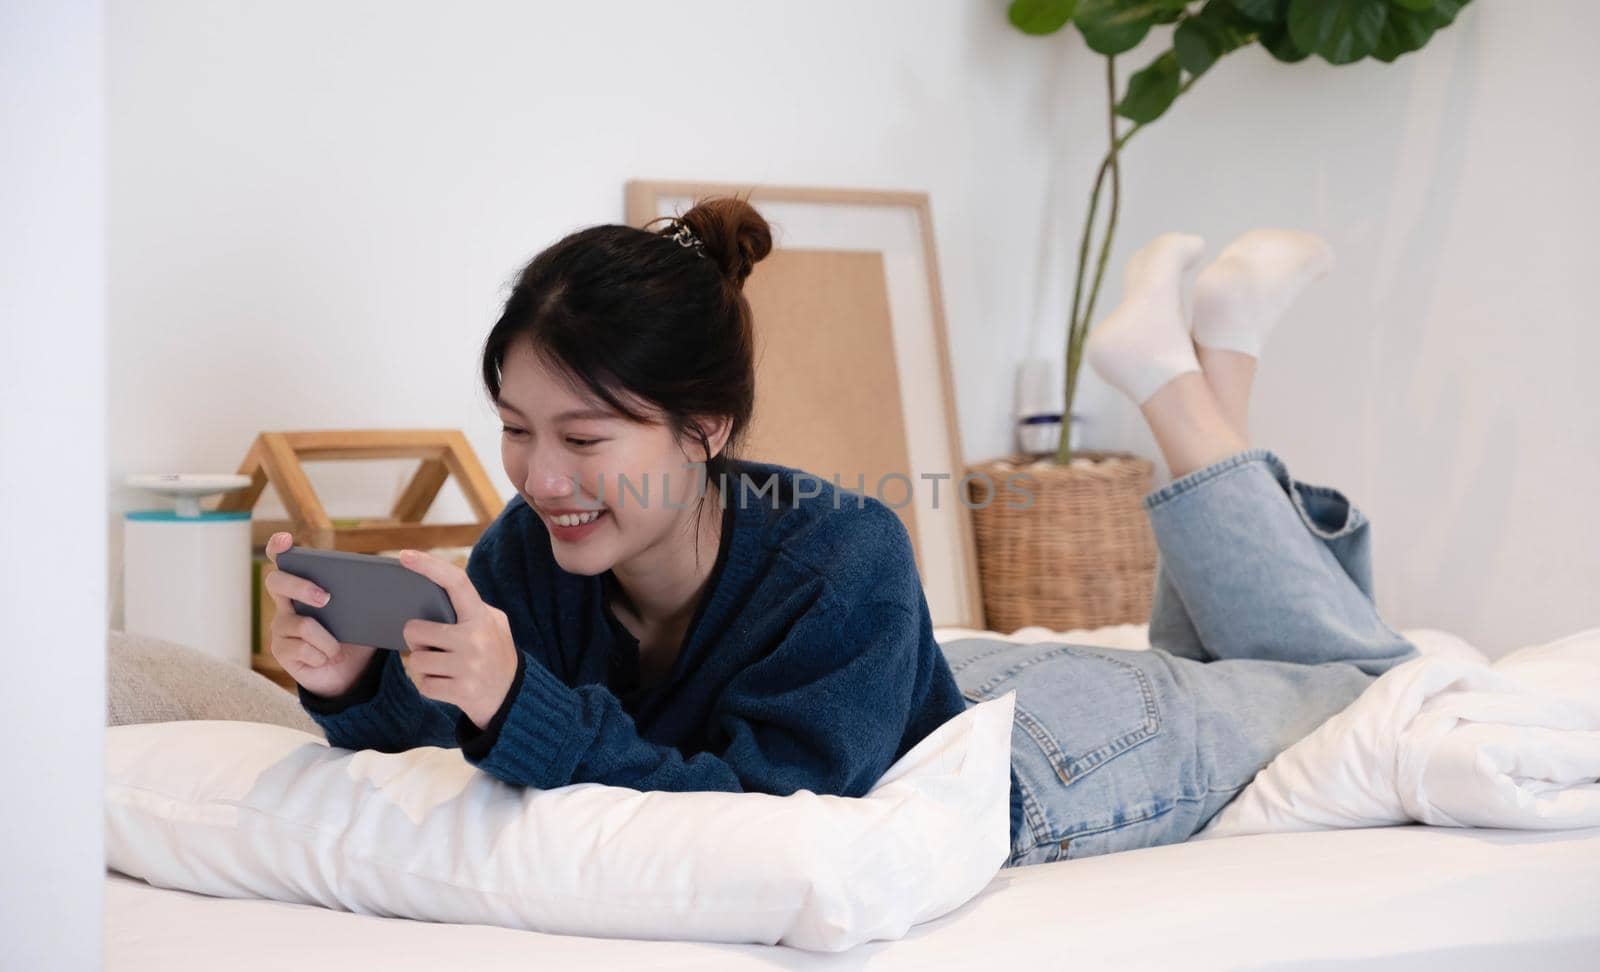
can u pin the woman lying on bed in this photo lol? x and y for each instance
(650, 611)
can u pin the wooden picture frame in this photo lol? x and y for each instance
(855, 274)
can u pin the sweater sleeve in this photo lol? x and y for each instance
(824, 711)
(393, 718)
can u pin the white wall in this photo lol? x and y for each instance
(315, 209)
(1443, 374)
(52, 482)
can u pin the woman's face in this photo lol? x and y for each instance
(571, 456)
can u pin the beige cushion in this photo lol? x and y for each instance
(151, 680)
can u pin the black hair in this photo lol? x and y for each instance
(658, 316)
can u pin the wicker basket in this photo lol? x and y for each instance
(1080, 556)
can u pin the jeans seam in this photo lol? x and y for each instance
(971, 659)
(999, 678)
(1059, 839)
(1169, 808)
(1190, 492)
(1295, 489)
(1199, 477)
(1032, 817)
(1156, 814)
(1230, 789)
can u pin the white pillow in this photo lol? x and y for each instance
(239, 809)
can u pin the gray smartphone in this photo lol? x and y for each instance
(372, 597)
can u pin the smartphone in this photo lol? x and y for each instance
(372, 597)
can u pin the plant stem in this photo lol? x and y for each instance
(1078, 325)
(1105, 239)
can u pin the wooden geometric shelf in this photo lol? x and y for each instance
(277, 457)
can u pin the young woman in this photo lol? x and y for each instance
(651, 611)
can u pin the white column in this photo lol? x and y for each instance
(52, 482)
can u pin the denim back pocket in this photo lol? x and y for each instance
(1080, 707)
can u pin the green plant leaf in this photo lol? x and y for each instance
(1103, 33)
(1151, 91)
(1039, 17)
(1341, 31)
(1117, 26)
(1403, 33)
(1444, 12)
(1203, 37)
(1415, 6)
(1112, 40)
(1126, 11)
(1263, 11)
(1275, 38)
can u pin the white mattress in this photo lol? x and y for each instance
(1403, 897)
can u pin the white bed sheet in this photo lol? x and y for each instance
(1410, 897)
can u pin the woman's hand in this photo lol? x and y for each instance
(302, 645)
(470, 664)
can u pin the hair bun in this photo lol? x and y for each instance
(735, 236)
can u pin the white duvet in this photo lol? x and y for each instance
(1449, 739)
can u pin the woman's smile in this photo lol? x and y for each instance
(572, 527)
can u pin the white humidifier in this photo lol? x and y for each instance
(186, 571)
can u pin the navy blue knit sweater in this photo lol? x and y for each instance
(810, 662)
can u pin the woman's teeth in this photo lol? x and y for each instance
(575, 519)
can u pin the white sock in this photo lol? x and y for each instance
(1145, 342)
(1243, 293)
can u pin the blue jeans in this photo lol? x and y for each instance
(1263, 626)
